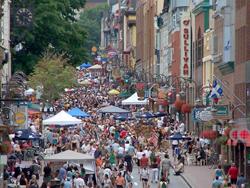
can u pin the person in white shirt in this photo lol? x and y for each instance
(120, 152)
(127, 146)
(159, 123)
(115, 147)
(79, 182)
(33, 128)
(139, 154)
(181, 128)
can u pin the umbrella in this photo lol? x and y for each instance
(122, 118)
(114, 92)
(76, 112)
(85, 65)
(160, 114)
(112, 109)
(26, 134)
(146, 115)
(179, 136)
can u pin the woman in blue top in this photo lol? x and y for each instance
(219, 172)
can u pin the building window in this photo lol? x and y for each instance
(199, 48)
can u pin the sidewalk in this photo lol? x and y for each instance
(196, 176)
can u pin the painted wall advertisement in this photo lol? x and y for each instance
(185, 45)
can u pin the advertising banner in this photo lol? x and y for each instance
(185, 45)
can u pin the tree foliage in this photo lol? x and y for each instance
(90, 19)
(54, 74)
(53, 25)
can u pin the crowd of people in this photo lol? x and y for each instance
(118, 147)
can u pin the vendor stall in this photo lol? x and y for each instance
(62, 119)
(69, 157)
(133, 100)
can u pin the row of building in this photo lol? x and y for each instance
(5, 60)
(199, 40)
(202, 40)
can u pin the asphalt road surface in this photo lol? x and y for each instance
(175, 181)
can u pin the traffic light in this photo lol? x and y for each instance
(126, 81)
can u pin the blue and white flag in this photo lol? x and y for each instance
(216, 91)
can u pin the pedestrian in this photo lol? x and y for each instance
(144, 177)
(219, 172)
(120, 181)
(155, 172)
(33, 182)
(107, 182)
(68, 183)
(165, 167)
(22, 181)
(217, 183)
(241, 181)
(79, 182)
(129, 180)
(233, 174)
(47, 173)
(144, 163)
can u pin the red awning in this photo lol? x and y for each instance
(231, 142)
(248, 141)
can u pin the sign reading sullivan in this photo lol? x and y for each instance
(185, 45)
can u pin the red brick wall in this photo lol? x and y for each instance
(175, 39)
(242, 50)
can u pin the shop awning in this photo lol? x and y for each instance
(231, 142)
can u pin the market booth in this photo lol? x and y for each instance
(71, 157)
(133, 100)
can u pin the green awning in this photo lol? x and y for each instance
(34, 106)
(125, 94)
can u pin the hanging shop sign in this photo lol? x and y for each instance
(185, 45)
(20, 118)
(196, 114)
(222, 112)
(206, 115)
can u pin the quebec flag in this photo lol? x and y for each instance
(216, 91)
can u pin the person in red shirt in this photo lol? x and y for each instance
(233, 174)
(144, 161)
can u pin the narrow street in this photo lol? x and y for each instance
(175, 181)
(90, 86)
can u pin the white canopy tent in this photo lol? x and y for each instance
(133, 100)
(70, 156)
(62, 118)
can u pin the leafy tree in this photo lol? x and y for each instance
(54, 74)
(53, 25)
(90, 19)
